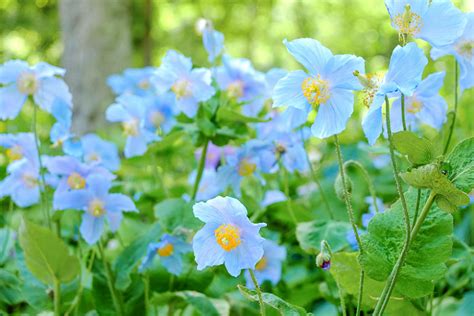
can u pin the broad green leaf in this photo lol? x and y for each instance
(224, 114)
(419, 151)
(444, 204)
(461, 160)
(132, 254)
(201, 303)
(47, 256)
(10, 291)
(425, 261)
(346, 269)
(274, 301)
(173, 213)
(310, 234)
(7, 242)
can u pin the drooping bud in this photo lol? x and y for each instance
(339, 187)
(323, 259)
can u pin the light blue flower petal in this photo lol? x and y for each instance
(10, 71)
(50, 89)
(114, 219)
(433, 111)
(339, 71)
(189, 106)
(135, 146)
(288, 91)
(178, 62)
(26, 196)
(99, 185)
(295, 117)
(163, 79)
(333, 116)
(201, 84)
(213, 42)
(396, 122)
(207, 251)
(61, 165)
(117, 203)
(11, 101)
(74, 199)
(150, 254)
(245, 256)
(310, 53)
(173, 264)
(43, 70)
(431, 85)
(466, 80)
(91, 228)
(372, 122)
(117, 113)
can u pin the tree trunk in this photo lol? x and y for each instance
(97, 43)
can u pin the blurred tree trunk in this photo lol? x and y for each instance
(97, 43)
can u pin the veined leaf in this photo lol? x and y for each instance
(461, 160)
(310, 234)
(419, 151)
(201, 303)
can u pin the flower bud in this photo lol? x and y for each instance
(339, 188)
(323, 259)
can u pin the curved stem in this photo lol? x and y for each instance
(417, 207)
(110, 281)
(202, 163)
(259, 292)
(404, 122)
(451, 128)
(350, 213)
(368, 180)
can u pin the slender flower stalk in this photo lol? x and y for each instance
(404, 122)
(110, 281)
(202, 163)
(289, 203)
(451, 128)
(259, 292)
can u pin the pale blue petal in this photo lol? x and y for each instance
(91, 228)
(431, 85)
(43, 69)
(99, 185)
(135, 146)
(117, 203)
(288, 91)
(213, 42)
(295, 117)
(11, 101)
(11, 69)
(50, 89)
(245, 256)
(207, 251)
(173, 264)
(372, 122)
(180, 64)
(433, 112)
(114, 219)
(310, 53)
(200, 81)
(150, 254)
(189, 106)
(117, 113)
(74, 199)
(466, 80)
(339, 71)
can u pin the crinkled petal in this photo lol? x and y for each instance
(310, 53)
(207, 251)
(91, 228)
(431, 85)
(339, 71)
(50, 89)
(11, 101)
(245, 256)
(372, 122)
(11, 69)
(288, 91)
(114, 219)
(117, 203)
(135, 146)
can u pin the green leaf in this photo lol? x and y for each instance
(10, 291)
(444, 204)
(273, 301)
(461, 160)
(420, 151)
(346, 270)
(7, 242)
(47, 256)
(310, 234)
(201, 303)
(173, 213)
(131, 255)
(425, 261)
(224, 114)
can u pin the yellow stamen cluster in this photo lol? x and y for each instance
(227, 236)
(371, 83)
(166, 250)
(157, 118)
(408, 22)
(465, 49)
(14, 153)
(76, 181)
(144, 84)
(27, 83)
(414, 106)
(130, 128)
(96, 208)
(261, 264)
(30, 180)
(246, 168)
(181, 88)
(93, 157)
(315, 90)
(235, 89)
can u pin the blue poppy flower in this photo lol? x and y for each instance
(40, 81)
(170, 249)
(190, 86)
(328, 86)
(269, 267)
(228, 237)
(98, 204)
(60, 133)
(209, 186)
(424, 106)
(438, 22)
(160, 113)
(96, 151)
(19, 146)
(131, 110)
(134, 81)
(213, 41)
(404, 74)
(463, 50)
(21, 183)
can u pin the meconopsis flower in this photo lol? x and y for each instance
(98, 204)
(40, 81)
(190, 86)
(19, 146)
(98, 152)
(269, 267)
(213, 41)
(242, 82)
(228, 237)
(60, 134)
(22, 183)
(133, 81)
(463, 50)
(328, 87)
(404, 74)
(425, 105)
(170, 250)
(438, 22)
(160, 113)
(131, 110)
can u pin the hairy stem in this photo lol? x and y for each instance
(110, 281)
(451, 128)
(202, 163)
(259, 292)
(404, 122)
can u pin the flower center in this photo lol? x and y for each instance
(371, 83)
(261, 264)
(166, 250)
(96, 208)
(227, 236)
(414, 106)
(246, 168)
(144, 84)
(30, 180)
(235, 89)
(280, 149)
(408, 23)
(76, 181)
(181, 88)
(465, 49)
(157, 118)
(130, 128)
(315, 90)
(27, 83)
(14, 153)
(93, 157)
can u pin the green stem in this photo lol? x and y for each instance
(404, 122)
(259, 293)
(350, 213)
(451, 128)
(343, 302)
(202, 163)
(44, 199)
(368, 180)
(7, 224)
(57, 298)
(289, 203)
(146, 286)
(361, 288)
(417, 207)
(110, 281)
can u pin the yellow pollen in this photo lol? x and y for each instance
(465, 49)
(27, 83)
(166, 250)
(246, 168)
(76, 181)
(371, 83)
(157, 118)
(235, 89)
(414, 106)
(130, 128)
(29, 180)
(144, 84)
(227, 236)
(96, 208)
(315, 90)
(93, 157)
(14, 153)
(261, 264)
(408, 22)
(181, 88)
